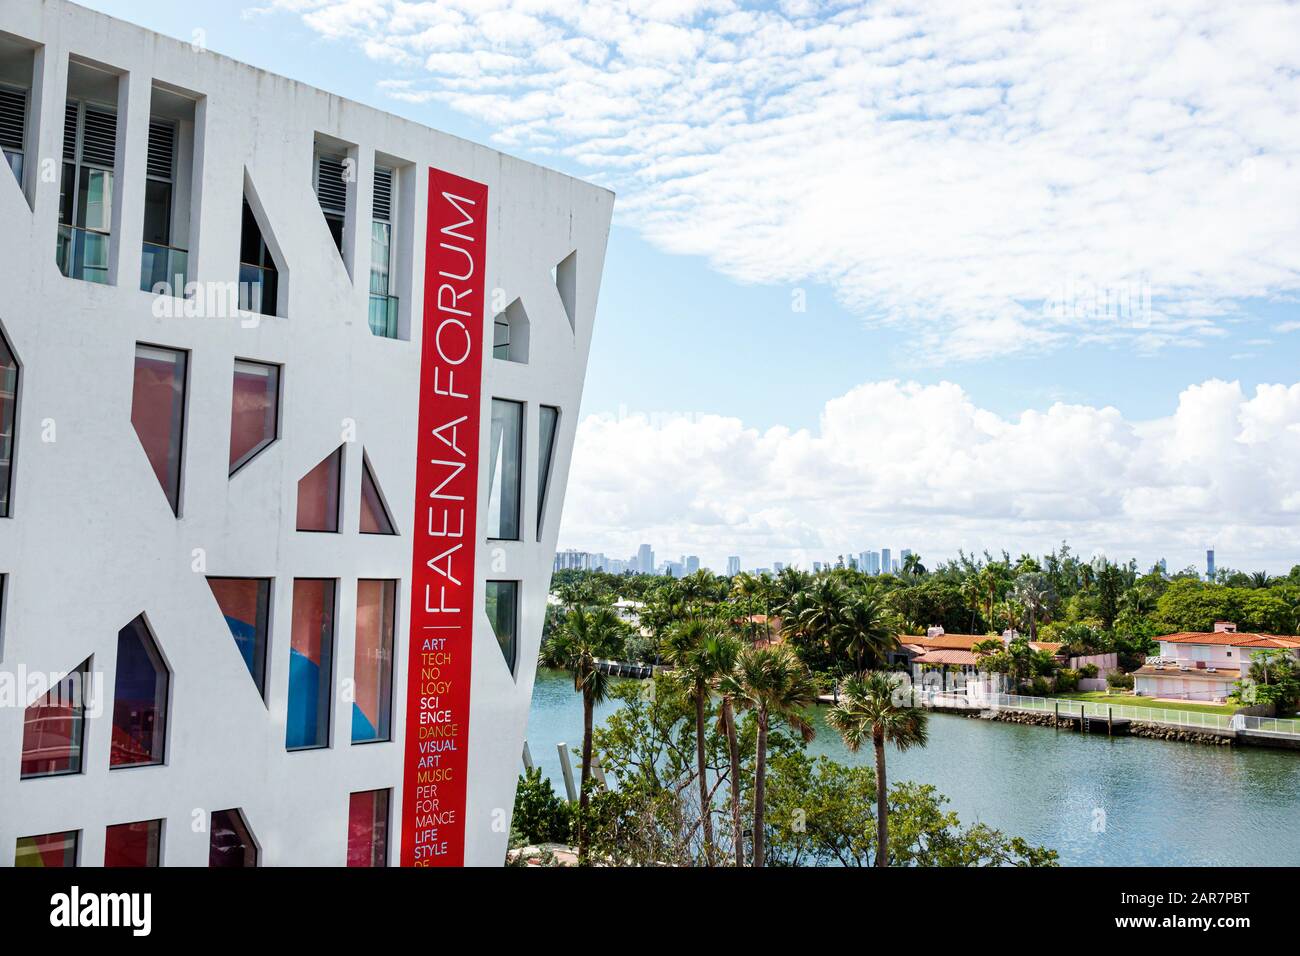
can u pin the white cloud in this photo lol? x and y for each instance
(944, 166)
(905, 465)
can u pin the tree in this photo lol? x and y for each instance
(775, 685)
(1034, 591)
(912, 566)
(585, 637)
(865, 631)
(1273, 678)
(700, 657)
(867, 710)
(723, 652)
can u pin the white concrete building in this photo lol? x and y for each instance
(292, 516)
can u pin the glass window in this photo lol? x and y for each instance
(373, 664)
(503, 612)
(318, 495)
(245, 604)
(381, 241)
(374, 516)
(54, 726)
(258, 277)
(133, 844)
(158, 414)
(504, 471)
(230, 841)
(368, 828)
(254, 410)
(158, 212)
(8, 408)
(48, 849)
(548, 425)
(311, 659)
(139, 699)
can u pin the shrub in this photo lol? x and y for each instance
(1123, 681)
(1089, 671)
(1067, 680)
(540, 815)
(1038, 687)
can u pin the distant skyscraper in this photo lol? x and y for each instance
(817, 566)
(692, 564)
(1164, 568)
(886, 565)
(645, 559)
(903, 556)
(778, 566)
(733, 566)
(1209, 565)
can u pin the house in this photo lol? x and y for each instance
(950, 652)
(1204, 665)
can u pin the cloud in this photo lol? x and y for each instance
(922, 466)
(951, 168)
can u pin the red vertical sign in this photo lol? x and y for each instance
(444, 530)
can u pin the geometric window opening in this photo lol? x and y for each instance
(139, 699)
(245, 604)
(254, 411)
(332, 172)
(54, 727)
(505, 473)
(158, 414)
(48, 849)
(503, 613)
(133, 844)
(510, 333)
(311, 664)
(374, 513)
(566, 283)
(318, 494)
(372, 671)
(368, 828)
(259, 264)
(230, 841)
(8, 411)
(548, 424)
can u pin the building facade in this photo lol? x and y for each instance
(290, 391)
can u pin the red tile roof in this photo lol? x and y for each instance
(1231, 639)
(946, 655)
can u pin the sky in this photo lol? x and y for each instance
(910, 275)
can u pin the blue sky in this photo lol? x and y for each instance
(927, 180)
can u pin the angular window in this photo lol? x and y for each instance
(383, 304)
(566, 284)
(510, 333)
(230, 841)
(133, 844)
(332, 172)
(318, 495)
(254, 411)
(368, 828)
(259, 270)
(8, 413)
(139, 699)
(89, 165)
(372, 670)
(311, 664)
(374, 514)
(548, 419)
(505, 473)
(54, 727)
(17, 125)
(503, 613)
(48, 849)
(158, 414)
(246, 604)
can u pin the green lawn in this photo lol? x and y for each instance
(1101, 697)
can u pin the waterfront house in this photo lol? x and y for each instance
(950, 652)
(1204, 665)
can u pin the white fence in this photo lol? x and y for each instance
(1151, 715)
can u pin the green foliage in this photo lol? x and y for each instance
(1119, 680)
(1273, 678)
(540, 816)
(1067, 679)
(823, 814)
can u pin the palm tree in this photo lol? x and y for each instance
(585, 636)
(912, 566)
(1035, 593)
(695, 668)
(772, 682)
(745, 588)
(866, 631)
(821, 617)
(868, 710)
(723, 652)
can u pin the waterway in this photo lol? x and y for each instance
(1095, 800)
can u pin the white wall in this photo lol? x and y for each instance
(92, 542)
